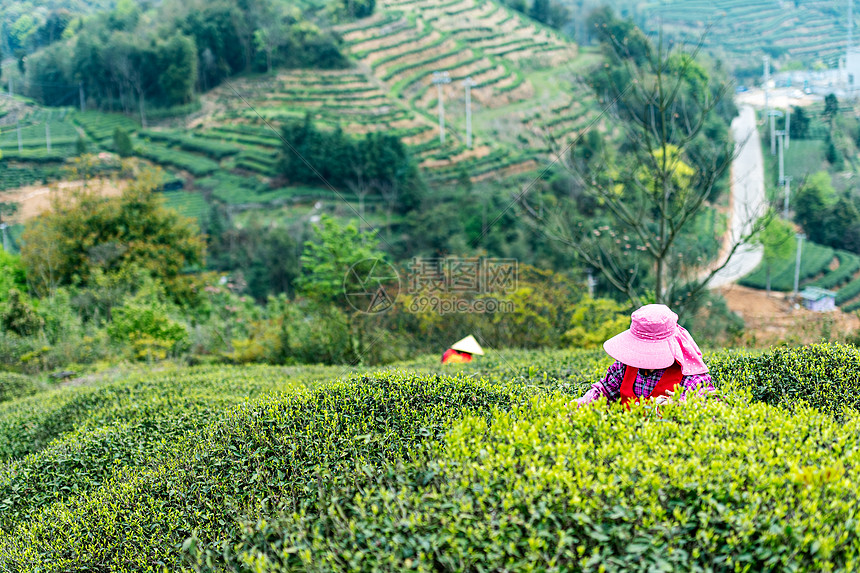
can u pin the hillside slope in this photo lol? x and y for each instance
(520, 69)
(742, 32)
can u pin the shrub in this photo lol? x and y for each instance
(825, 376)
(18, 316)
(549, 488)
(145, 322)
(16, 385)
(122, 142)
(594, 321)
(286, 451)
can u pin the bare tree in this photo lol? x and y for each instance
(126, 69)
(652, 192)
(359, 185)
(272, 31)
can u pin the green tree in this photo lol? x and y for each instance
(676, 150)
(177, 63)
(267, 256)
(840, 224)
(540, 10)
(327, 258)
(86, 231)
(12, 274)
(831, 109)
(831, 153)
(122, 143)
(18, 316)
(799, 126)
(338, 256)
(777, 240)
(595, 320)
(144, 322)
(812, 203)
(359, 8)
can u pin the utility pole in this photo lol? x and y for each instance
(439, 80)
(469, 83)
(800, 237)
(48, 134)
(766, 61)
(81, 94)
(11, 93)
(780, 134)
(20, 143)
(591, 283)
(3, 227)
(773, 115)
(787, 199)
(787, 125)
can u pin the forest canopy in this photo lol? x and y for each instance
(138, 55)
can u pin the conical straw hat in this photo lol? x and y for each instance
(470, 345)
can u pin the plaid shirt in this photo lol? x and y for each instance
(610, 386)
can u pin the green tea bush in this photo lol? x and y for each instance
(549, 488)
(814, 260)
(849, 264)
(284, 452)
(163, 155)
(825, 376)
(16, 385)
(480, 467)
(848, 292)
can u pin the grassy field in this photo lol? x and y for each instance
(484, 466)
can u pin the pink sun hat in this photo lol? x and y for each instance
(656, 340)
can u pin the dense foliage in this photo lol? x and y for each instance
(377, 164)
(139, 54)
(550, 12)
(87, 235)
(485, 467)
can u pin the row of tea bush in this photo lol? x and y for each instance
(483, 467)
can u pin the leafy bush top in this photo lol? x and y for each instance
(274, 469)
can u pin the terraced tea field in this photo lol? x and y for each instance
(497, 48)
(526, 91)
(744, 31)
(819, 267)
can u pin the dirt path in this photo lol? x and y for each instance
(34, 200)
(774, 320)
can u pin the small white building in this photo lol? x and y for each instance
(852, 69)
(819, 299)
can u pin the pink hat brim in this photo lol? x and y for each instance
(638, 353)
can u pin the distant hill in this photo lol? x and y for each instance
(528, 89)
(800, 32)
(525, 86)
(30, 24)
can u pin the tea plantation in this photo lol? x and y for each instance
(484, 467)
(820, 266)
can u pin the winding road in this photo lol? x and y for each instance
(747, 200)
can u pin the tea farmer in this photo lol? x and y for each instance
(462, 351)
(652, 357)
